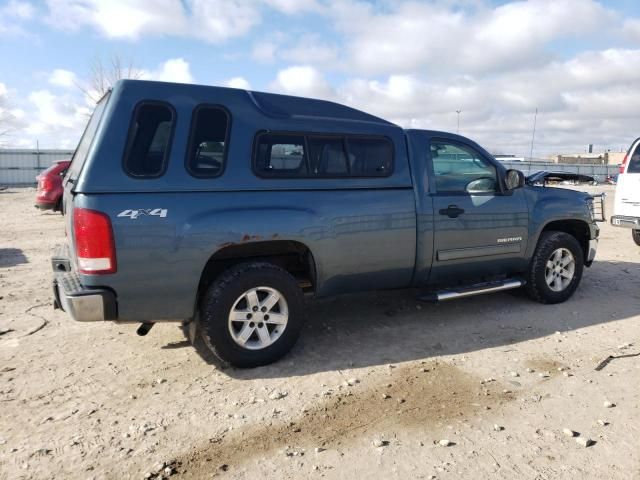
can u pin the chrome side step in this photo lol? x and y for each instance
(470, 291)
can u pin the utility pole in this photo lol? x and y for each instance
(458, 112)
(533, 135)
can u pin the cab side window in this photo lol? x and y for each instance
(149, 140)
(460, 169)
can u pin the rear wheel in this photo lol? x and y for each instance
(251, 315)
(556, 268)
(636, 236)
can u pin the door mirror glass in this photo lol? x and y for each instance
(514, 179)
(481, 185)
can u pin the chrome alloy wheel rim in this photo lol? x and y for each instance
(560, 269)
(258, 318)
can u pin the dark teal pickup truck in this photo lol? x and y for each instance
(221, 208)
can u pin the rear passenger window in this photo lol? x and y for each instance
(149, 140)
(208, 143)
(370, 157)
(281, 156)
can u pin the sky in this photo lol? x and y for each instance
(415, 63)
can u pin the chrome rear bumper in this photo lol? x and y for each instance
(83, 304)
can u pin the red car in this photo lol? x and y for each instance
(49, 194)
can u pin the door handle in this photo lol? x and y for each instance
(452, 211)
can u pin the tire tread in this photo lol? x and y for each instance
(214, 295)
(548, 242)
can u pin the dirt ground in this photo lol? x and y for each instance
(374, 385)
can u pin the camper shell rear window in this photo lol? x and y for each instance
(80, 155)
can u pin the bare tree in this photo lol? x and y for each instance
(104, 74)
(6, 120)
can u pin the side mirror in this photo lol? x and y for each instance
(514, 179)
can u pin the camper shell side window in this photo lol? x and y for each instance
(306, 155)
(208, 141)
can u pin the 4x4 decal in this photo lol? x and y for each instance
(153, 212)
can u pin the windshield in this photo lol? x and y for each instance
(82, 149)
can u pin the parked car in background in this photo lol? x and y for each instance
(221, 208)
(626, 210)
(49, 193)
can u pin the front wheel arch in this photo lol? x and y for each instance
(578, 229)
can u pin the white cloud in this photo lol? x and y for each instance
(173, 70)
(264, 52)
(218, 20)
(117, 18)
(631, 28)
(302, 80)
(293, 6)
(437, 38)
(18, 9)
(210, 20)
(13, 15)
(62, 78)
(238, 82)
(311, 49)
(591, 98)
(55, 121)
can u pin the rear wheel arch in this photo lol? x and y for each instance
(292, 256)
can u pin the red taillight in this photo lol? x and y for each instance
(623, 164)
(46, 184)
(95, 248)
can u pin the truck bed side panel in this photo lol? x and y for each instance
(360, 239)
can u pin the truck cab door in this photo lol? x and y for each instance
(480, 229)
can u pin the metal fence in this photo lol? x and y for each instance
(19, 167)
(599, 172)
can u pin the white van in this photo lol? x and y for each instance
(627, 204)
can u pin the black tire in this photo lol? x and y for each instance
(636, 236)
(537, 287)
(218, 300)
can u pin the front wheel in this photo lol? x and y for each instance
(636, 236)
(556, 268)
(252, 314)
